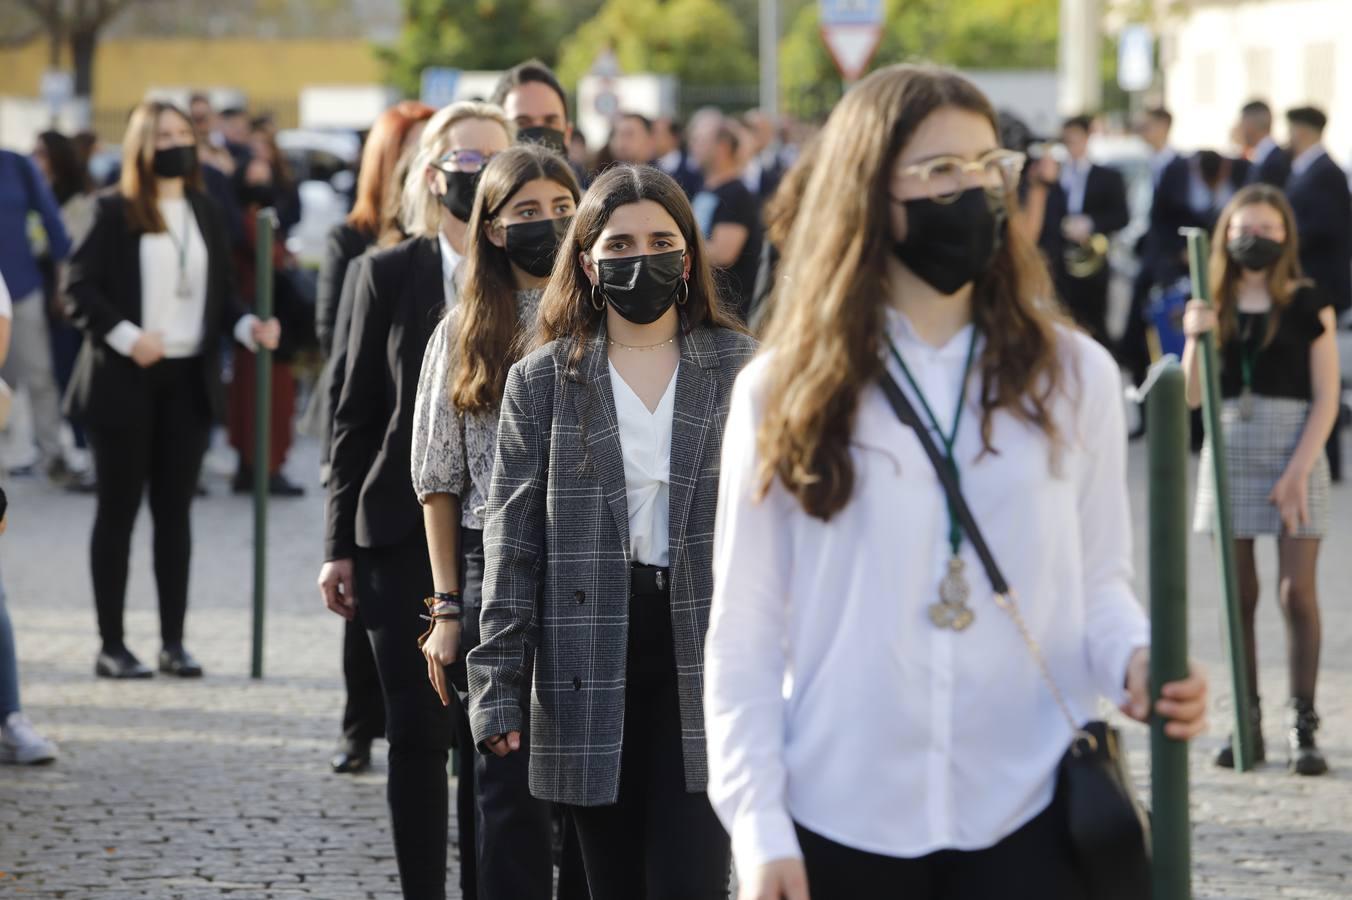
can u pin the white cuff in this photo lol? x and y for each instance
(244, 331)
(123, 337)
(759, 838)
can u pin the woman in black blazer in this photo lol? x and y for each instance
(151, 287)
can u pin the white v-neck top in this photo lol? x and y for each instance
(645, 440)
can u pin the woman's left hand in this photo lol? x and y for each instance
(267, 334)
(1291, 497)
(1182, 703)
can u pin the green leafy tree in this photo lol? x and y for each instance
(699, 41)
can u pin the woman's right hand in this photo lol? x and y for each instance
(148, 349)
(780, 879)
(1198, 318)
(441, 649)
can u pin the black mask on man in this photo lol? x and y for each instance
(1254, 252)
(642, 288)
(533, 245)
(459, 196)
(175, 162)
(949, 245)
(540, 134)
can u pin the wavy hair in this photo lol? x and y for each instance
(384, 145)
(1284, 278)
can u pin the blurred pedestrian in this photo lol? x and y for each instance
(1271, 164)
(211, 143)
(20, 742)
(728, 214)
(631, 139)
(152, 288)
(781, 213)
(672, 157)
(1280, 386)
(1158, 250)
(764, 169)
(375, 546)
(535, 103)
(234, 130)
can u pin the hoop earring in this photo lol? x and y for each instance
(601, 306)
(685, 296)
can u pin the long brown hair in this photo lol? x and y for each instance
(384, 145)
(138, 183)
(1284, 278)
(488, 339)
(823, 340)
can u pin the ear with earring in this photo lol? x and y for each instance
(598, 305)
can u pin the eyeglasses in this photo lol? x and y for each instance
(946, 177)
(463, 160)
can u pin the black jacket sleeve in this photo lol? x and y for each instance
(1112, 214)
(344, 244)
(87, 304)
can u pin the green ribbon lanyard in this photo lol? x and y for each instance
(950, 439)
(1247, 354)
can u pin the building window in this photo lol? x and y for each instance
(1204, 78)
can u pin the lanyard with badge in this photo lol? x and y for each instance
(951, 610)
(1251, 344)
(183, 287)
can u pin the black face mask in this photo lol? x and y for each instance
(175, 162)
(949, 245)
(642, 288)
(549, 137)
(259, 195)
(1254, 252)
(459, 196)
(532, 246)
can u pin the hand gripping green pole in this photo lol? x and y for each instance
(265, 223)
(1166, 414)
(1198, 253)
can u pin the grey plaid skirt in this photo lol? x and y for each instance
(1257, 452)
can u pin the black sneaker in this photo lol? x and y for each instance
(1303, 756)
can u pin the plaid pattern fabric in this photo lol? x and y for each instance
(556, 540)
(1257, 452)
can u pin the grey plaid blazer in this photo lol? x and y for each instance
(556, 580)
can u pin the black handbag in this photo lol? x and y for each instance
(1109, 829)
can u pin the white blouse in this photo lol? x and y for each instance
(833, 702)
(645, 439)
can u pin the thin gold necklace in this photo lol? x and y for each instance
(645, 348)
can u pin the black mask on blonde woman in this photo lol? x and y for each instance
(1254, 252)
(642, 288)
(949, 245)
(533, 245)
(174, 162)
(459, 196)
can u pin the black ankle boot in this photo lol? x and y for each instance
(1304, 757)
(1226, 757)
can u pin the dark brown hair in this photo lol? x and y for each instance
(566, 310)
(487, 339)
(138, 183)
(823, 339)
(1284, 278)
(375, 178)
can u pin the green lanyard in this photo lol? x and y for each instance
(1248, 355)
(950, 439)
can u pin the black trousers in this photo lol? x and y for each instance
(1033, 863)
(658, 841)
(364, 711)
(163, 455)
(1086, 299)
(391, 583)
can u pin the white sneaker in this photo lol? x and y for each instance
(20, 743)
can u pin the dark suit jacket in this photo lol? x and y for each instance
(686, 175)
(1105, 202)
(1323, 207)
(1164, 252)
(106, 387)
(397, 301)
(1275, 169)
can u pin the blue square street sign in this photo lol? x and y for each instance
(438, 86)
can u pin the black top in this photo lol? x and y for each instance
(344, 244)
(733, 203)
(1282, 368)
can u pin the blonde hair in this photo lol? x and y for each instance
(419, 210)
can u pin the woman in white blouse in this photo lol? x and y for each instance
(597, 539)
(876, 725)
(152, 288)
(525, 202)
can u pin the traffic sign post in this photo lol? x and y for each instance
(438, 86)
(851, 30)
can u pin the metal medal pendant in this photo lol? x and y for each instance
(951, 611)
(183, 290)
(1246, 404)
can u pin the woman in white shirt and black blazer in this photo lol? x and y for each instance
(152, 288)
(877, 726)
(597, 538)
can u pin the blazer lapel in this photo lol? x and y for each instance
(595, 402)
(695, 408)
(428, 290)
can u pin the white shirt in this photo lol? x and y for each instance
(670, 161)
(830, 698)
(450, 267)
(1074, 178)
(645, 440)
(1301, 164)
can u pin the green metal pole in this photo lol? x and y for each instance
(1167, 426)
(1198, 254)
(263, 236)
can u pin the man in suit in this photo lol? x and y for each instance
(1085, 204)
(1270, 163)
(764, 170)
(1159, 249)
(672, 157)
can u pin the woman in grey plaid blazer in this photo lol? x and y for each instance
(598, 535)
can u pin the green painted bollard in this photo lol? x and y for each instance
(1222, 528)
(265, 226)
(1166, 414)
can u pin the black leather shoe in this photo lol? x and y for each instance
(179, 662)
(1303, 756)
(120, 664)
(352, 757)
(242, 483)
(280, 486)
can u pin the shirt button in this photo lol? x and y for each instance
(577, 684)
(579, 596)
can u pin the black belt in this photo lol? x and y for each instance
(649, 580)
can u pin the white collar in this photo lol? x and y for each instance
(900, 329)
(1263, 150)
(670, 161)
(1301, 163)
(450, 260)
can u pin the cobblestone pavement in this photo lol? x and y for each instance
(220, 788)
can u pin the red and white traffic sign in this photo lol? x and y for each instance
(851, 30)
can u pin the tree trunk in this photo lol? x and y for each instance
(83, 43)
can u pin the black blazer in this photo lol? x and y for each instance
(1275, 169)
(1165, 250)
(330, 387)
(344, 244)
(106, 387)
(398, 299)
(1105, 202)
(1323, 208)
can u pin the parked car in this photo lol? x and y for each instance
(324, 163)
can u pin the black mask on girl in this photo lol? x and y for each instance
(949, 245)
(533, 245)
(175, 162)
(642, 288)
(1254, 252)
(459, 196)
(549, 137)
